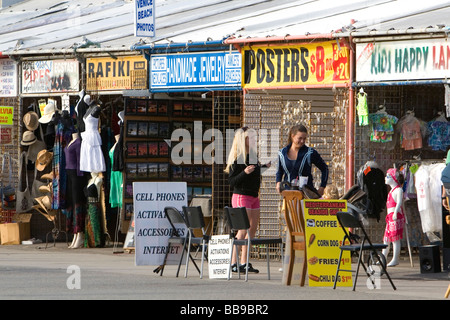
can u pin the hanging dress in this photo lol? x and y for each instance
(394, 228)
(91, 155)
(363, 109)
(116, 187)
(93, 235)
(63, 135)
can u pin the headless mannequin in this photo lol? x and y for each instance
(93, 110)
(96, 180)
(75, 136)
(397, 195)
(94, 200)
(78, 238)
(81, 94)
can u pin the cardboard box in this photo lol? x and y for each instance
(16, 231)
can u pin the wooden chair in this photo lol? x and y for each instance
(295, 223)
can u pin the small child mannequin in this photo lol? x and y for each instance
(395, 218)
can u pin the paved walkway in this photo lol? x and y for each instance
(31, 272)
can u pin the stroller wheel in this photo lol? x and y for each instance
(373, 263)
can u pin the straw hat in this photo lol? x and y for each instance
(49, 110)
(46, 188)
(31, 120)
(28, 138)
(47, 176)
(43, 159)
(45, 203)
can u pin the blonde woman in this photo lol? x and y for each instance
(244, 178)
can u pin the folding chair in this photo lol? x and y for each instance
(238, 220)
(350, 220)
(295, 223)
(174, 216)
(195, 220)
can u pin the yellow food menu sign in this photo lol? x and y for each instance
(323, 237)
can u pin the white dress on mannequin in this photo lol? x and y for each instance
(91, 155)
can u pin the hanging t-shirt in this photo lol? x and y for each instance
(438, 135)
(429, 196)
(411, 135)
(382, 125)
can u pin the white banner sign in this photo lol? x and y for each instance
(219, 254)
(8, 78)
(152, 230)
(50, 76)
(403, 60)
(144, 18)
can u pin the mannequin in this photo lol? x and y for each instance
(94, 109)
(80, 110)
(91, 154)
(94, 232)
(116, 189)
(75, 210)
(75, 136)
(117, 160)
(395, 218)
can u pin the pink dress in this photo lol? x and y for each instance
(394, 229)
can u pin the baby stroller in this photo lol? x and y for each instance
(359, 205)
(359, 202)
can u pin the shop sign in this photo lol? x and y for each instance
(6, 116)
(123, 73)
(219, 256)
(323, 237)
(5, 135)
(8, 78)
(50, 76)
(295, 65)
(152, 230)
(195, 70)
(144, 18)
(403, 60)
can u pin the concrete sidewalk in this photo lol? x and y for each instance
(31, 272)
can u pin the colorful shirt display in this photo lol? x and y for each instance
(438, 135)
(382, 127)
(411, 134)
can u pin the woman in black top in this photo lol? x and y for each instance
(245, 179)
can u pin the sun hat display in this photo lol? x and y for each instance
(49, 111)
(43, 159)
(46, 188)
(45, 203)
(28, 138)
(31, 120)
(44, 207)
(47, 176)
